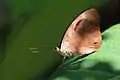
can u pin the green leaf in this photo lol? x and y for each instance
(101, 65)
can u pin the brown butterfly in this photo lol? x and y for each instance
(83, 36)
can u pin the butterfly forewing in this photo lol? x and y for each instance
(83, 36)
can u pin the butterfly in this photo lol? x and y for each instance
(83, 36)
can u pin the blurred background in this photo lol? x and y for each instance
(41, 23)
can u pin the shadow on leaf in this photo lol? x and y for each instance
(110, 14)
(98, 71)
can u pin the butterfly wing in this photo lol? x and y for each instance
(83, 36)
